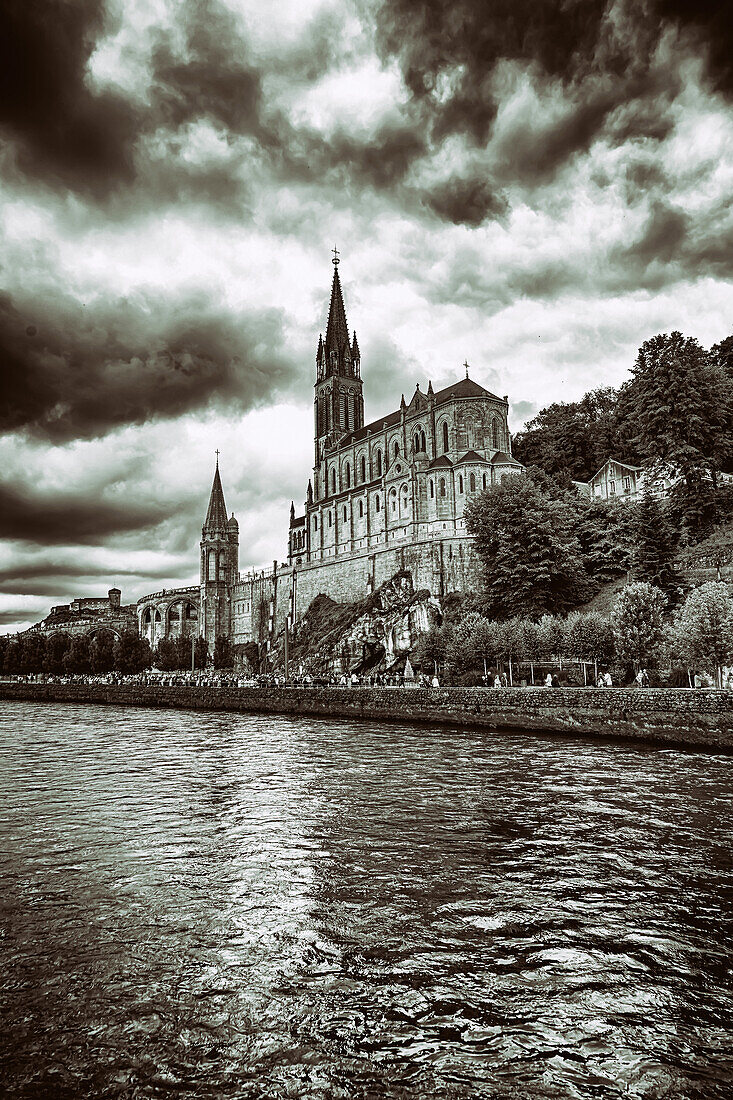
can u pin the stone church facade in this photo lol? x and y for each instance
(383, 496)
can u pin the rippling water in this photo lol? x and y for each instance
(215, 905)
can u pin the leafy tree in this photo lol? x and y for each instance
(76, 658)
(32, 652)
(201, 652)
(637, 624)
(488, 641)
(430, 648)
(572, 439)
(604, 530)
(461, 652)
(590, 638)
(101, 651)
(704, 628)
(531, 557)
(551, 637)
(132, 653)
(4, 643)
(166, 655)
(223, 655)
(57, 646)
(655, 543)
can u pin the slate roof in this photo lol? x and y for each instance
(471, 456)
(438, 462)
(501, 458)
(465, 388)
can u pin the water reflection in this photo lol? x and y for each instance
(219, 905)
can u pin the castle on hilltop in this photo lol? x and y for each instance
(384, 497)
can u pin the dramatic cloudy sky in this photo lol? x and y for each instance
(534, 185)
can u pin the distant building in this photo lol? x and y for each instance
(384, 496)
(618, 480)
(88, 615)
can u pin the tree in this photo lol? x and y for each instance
(101, 651)
(430, 648)
(531, 557)
(604, 530)
(166, 655)
(201, 653)
(551, 637)
(76, 658)
(590, 638)
(572, 438)
(676, 413)
(56, 648)
(637, 624)
(132, 653)
(461, 653)
(223, 655)
(655, 543)
(704, 629)
(32, 652)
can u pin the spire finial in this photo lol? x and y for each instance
(466, 366)
(335, 261)
(217, 458)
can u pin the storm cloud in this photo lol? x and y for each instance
(73, 372)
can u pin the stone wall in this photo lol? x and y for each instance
(702, 718)
(439, 565)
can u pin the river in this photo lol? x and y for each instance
(203, 905)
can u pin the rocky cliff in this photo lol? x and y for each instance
(373, 634)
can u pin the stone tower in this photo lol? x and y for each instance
(338, 404)
(219, 565)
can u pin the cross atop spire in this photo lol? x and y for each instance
(217, 458)
(466, 366)
(335, 261)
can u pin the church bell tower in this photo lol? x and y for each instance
(339, 403)
(219, 565)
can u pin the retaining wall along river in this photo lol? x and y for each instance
(691, 717)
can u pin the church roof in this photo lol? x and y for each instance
(216, 516)
(471, 456)
(337, 330)
(501, 458)
(465, 388)
(442, 461)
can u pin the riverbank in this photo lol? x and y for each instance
(702, 718)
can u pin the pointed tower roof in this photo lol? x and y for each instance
(355, 347)
(337, 331)
(216, 516)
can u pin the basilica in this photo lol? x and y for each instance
(383, 496)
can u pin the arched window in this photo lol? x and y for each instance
(363, 468)
(445, 436)
(473, 483)
(379, 464)
(495, 435)
(212, 565)
(442, 486)
(396, 449)
(376, 503)
(484, 481)
(460, 483)
(361, 509)
(333, 480)
(347, 474)
(432, 488)
(393, 500)
(416, 441)
(423, 442)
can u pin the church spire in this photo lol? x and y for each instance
(337, 330)
(216, 516)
